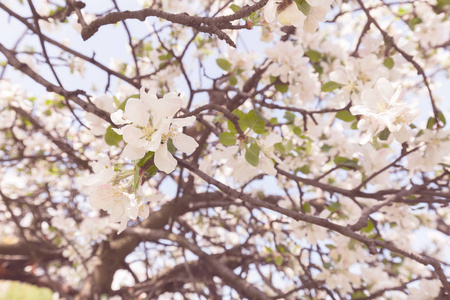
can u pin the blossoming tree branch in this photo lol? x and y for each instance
(272, 149)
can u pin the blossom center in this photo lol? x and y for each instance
(147, 132)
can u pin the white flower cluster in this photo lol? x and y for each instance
(148, 127)
(149, 124)
(383, 108)
(304, 14)
(287, 61)
(109, 191)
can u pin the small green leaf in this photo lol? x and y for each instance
(165, 56)
(442, 3)
(313, 55)
(442, 118)
(297, 131)
(330, 246)
(325, 148)
(403, 11)
(254, 121)
(136, 179)
(369, 227)
(223, 64)
(241, 115)
(306, 207)
(388, 63)
(303, 6)
(345, 162)
(283, 88)
(334, 207)
(146, 158)
(358, 295)
(227, 138)
(413, 22)
(235, 8)
(252, 154)
(345, 116)
(278, 260)
(279, 147)
(152, 171)
(384, 135)
(330, 86)
(431, 122)
(273, 121)
(231, 127)
(318, 68)
(233, 80)
(171, 146)
(290, 117)
(305, 169)
(112, 138)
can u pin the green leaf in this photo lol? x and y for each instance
(278, 260)
(345, 116)
(136, 178)
(233, 80)
(152, 171)
(388, 63)
(303, 6)
(442, 118)
(334, 207)
(384, 135)
(442, 3)
(330, 86)
(306, 207)
(112, 138)
(227, 138)
(279, 147)
(358, 295)
(235, 8)
(297, 131)
(431, 122)
(223, 64)
(283, 88)
(403, 11)
(273, 121)
(413, 22)
(318, 68)
(330, 246)
(254, 121)
(313, 55)
(241, 115)
(325, 148)
(305, 169)
(252, 154)
(369, 227)
(165, 56)
(345, 162)
(146, 158)
(290, 117)
(171, 146)
(231, 127)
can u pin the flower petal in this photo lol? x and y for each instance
(117, 117)
(164, 160)
(136, 111)
(183, 121)
(132, 152)
(185, 143)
